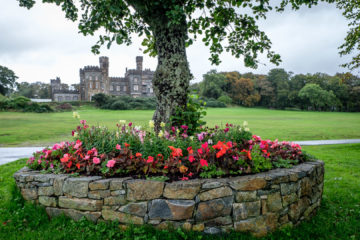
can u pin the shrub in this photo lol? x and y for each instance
(119, 105)
(64, 106)
(225, 99)
(131, 151)
(23, 104)
(215, 104)
(100, 99)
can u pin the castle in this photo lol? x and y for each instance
(95, 79)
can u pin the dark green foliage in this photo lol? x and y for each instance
(64, 107)
(23, 104)
(34, 90)
(123, 102)
(215, 104)
(190, 116)
(7, 80)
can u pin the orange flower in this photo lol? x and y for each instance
(138, 154)
(183, 169)
(222, 147)
(190, 150)
(176, 152)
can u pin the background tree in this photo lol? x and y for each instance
(7, 80)
(212, 85)
(279, 80)
(317, 98)
(171, 25)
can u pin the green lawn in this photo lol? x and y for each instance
(25, 129)
(338, 217)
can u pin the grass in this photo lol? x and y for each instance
(33, 129)
(338, 217)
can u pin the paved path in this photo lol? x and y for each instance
(12, 154)
(327, 142)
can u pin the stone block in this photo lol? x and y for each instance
(171, 209)
(118, 192)
(138, 209)
(214, 208)
(182, 190)
(115, 200)
(47, 201)
(80, 204)
(245, 210)
(110, 215)
(215, 193)
(289, 199)
(45, 191)
(74, 214)
(274, 202)
(246, 196)
(102, 184)
(219, 221)
(248, 184)
(58, 185)
(298, 208)
(138, 190)
(288, 188)
(306, 187)
(117, 183)
(198, 227)
(78, 187)
(99, 194)
(29, 193)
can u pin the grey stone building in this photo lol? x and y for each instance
(95, 79)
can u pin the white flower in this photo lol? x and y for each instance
(162, 124)
(247, 129)
(177, 131)
(117, 134)
(137, 128)
(76, 115)
(151, 124)
(245, 123)
(75, 134)
(210, 141)
(191, 138)
(161, 133)
(122, 121)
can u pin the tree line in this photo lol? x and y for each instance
(281, 89)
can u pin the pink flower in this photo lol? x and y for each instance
(200, 151)
(86, 126)
(226, 130)
(184, 179)
(200, 136)
(150, 159)
(96, 160)
(130, 124)
(235, 158)
(184, 127)
(39, 161)
(95, 152)
(118, 147)
(205, 145)
(203, 162)
(83, 122)
(110, 163)
(78, 144)
(87, 157)
(51, 165)
(191, 158)
(56, 146)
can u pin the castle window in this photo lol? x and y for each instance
(135, 80)
(124, 88)
(136, 87)
(97, 85)
(118, 88)
(111, 88)
(75, 98)
(102, 85)
(90, 85)
(151, 90)
(59, 99)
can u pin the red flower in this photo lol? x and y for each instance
(190, 150)
(205, 145)
(138, 154)
(184, 179)
(165, 167)
(222, 147)
(127, 145)
(69, 164)
(150, 159)
(191, 158)
(176, 152)
(200, 151)
(190, 174)
(78, 165)
(248, 153)
(203, 162)
(65, 158)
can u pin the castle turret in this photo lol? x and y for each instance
(104, 65)
(139, 63)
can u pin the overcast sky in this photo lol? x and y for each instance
(40, 44)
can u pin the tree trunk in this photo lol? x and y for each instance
(172, 75)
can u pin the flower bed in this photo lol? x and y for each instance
(167, 155)
(257, 203)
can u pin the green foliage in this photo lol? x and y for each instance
(23, 104)
(316, 97)
(123, 102)
(211, 172)
(191, 115)
(225, 99)
(260, 163)
(34, 90)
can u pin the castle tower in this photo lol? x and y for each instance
(104, 67)
(139, 63)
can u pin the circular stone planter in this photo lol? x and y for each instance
(258, 203)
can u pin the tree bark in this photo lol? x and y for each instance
(172, 75)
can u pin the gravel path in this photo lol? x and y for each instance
(13, 153)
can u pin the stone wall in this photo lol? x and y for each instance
(257, 203)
